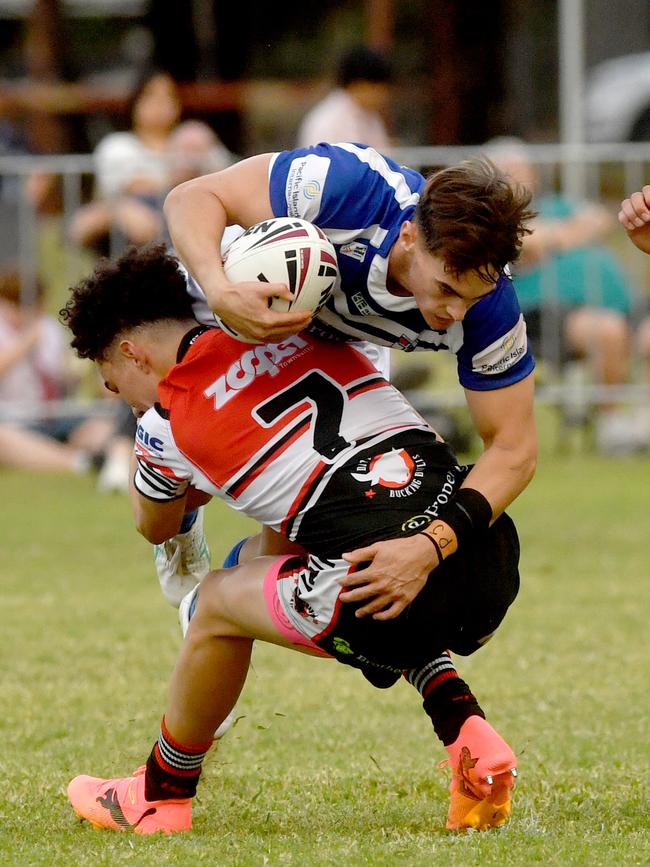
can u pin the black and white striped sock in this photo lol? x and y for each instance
(173, 770)
(448, 700)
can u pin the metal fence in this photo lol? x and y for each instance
(603, 173)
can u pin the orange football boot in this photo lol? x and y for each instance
(120, 805)
(483, 776)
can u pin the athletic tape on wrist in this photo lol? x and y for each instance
(467, 513)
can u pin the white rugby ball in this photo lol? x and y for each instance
(284, 250)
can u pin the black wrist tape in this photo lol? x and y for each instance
(467, 513)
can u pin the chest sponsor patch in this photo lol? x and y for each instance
(266, 359)
(504, 353)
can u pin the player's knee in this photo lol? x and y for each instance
(211, 608)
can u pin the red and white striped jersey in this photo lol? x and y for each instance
(266, 427)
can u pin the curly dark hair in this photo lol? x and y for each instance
(142, 286)
(471, 216)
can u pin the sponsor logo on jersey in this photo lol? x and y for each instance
(304, 187)
(395, 470)
(361, 304)
(355, 250)
(416, 522)
(267, 359)
(151, 442)
(445, 493)
(311, 189)
(504, 352)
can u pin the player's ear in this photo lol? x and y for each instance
(408, 233)
(132, 351)
(126, 348)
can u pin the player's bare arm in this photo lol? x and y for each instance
(195, 499)
(197, 213)
(505, 421)
(634, 216)
(157, 521)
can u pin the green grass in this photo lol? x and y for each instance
(322, 769)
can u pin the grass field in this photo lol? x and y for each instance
(321, 769)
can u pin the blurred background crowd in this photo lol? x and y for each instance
(105, 105)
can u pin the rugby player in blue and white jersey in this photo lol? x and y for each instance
(423, 266)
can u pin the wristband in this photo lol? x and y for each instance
(467, 514)
(434, 543)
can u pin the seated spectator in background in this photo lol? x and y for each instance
(573, 291)
(136, 169)
(195, 149)
(34, 368)
(132, 172)
(354, 110)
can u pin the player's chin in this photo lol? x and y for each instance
(438, 323)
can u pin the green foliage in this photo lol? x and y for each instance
(321, 769)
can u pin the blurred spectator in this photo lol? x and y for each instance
(34, 368)
(136, 169)
(574, 293)
(354, 110)
(132, 172)
(195, 149)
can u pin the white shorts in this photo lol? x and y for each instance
(302, 596)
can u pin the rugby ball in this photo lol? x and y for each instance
(284, 250)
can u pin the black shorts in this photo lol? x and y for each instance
(460, 607)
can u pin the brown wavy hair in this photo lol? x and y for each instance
(473, 218)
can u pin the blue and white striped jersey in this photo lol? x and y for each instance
(360, 198)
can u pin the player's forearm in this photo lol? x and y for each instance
(505, 421)
(196, 220)
(502, 473)
(640, 238)
(156, 521)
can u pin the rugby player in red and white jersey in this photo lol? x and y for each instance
(306, 437)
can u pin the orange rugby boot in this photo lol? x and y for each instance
(483, 775)
(120, 805)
